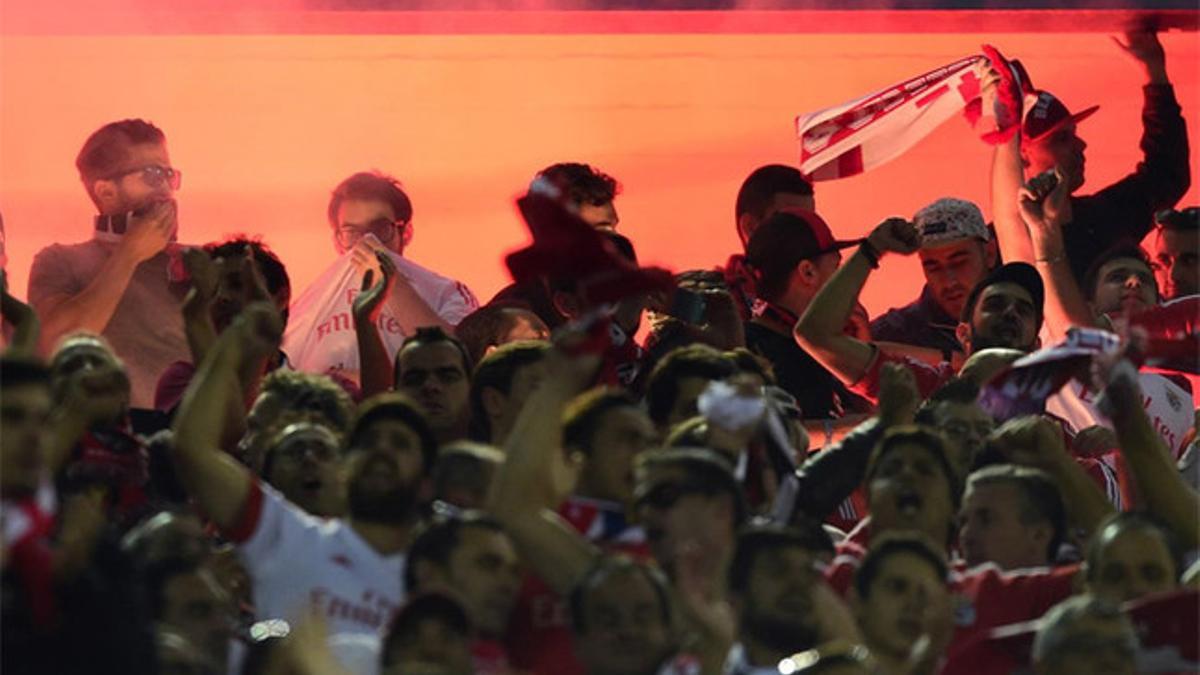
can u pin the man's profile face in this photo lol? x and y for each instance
(1062, 149)
(625, 632)
(1124, 286)
(131, 188)
(992, 529)
(1177, 262)
(434, 375)
(952, 270)
(1005, 316)
(355, 218)
(602, 216)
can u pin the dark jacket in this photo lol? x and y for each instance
(832, 474)
(922, 322)
(1124, 211)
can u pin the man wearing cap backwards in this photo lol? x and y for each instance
(1003, 310)
(790, 256)
(956, 253)
(1123, 210)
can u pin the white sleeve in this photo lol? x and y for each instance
(455, 302)
(272, 531)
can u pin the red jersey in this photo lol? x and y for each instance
(539, 630)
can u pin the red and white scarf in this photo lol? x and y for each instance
(857, 136)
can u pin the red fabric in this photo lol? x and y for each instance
(31, 558)
(928, 377)
(566, 248)
(489, 657)
(247, 521)
(171, 385)
(539, 630)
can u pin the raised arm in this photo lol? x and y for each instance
(376, 373)
(218, 483)
(1038, 442)
(535, 478)
(1157, 481)
(1044, 216)
(1008, 175)
(820, 330)
(93, 307)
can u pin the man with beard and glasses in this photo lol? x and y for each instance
(1003, 310)
(126, 283)
(348, 570)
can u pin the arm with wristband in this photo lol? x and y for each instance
(820, 330)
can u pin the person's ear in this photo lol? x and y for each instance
(105, 194)
(406, 234)
(991, 253)
(567, 304)
(745, 225)
(963, 333)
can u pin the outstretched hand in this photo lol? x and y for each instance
(1142, 44)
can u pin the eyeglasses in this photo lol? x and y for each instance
(155, 175)
(665, 495)
(383, 228)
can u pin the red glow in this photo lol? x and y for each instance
(264, 126)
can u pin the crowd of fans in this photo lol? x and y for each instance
(769, 483)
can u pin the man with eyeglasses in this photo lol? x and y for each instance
(374, 203)
(125, 283)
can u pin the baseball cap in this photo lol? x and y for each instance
(789, 236)
(1019, 273)
(1045, 114)
(950, 220)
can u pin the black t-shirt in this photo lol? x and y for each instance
(820, 394)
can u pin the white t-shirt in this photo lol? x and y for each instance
(297, 561)
(320, 333)
(1169, 407)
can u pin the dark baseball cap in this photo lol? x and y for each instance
(789, 236)
(1045, 114)
(1019, 273)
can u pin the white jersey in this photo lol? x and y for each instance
(1169, 407)
(320, 335)
(297, 562)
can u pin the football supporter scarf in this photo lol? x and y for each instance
(857, 136)
(1023, 387)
